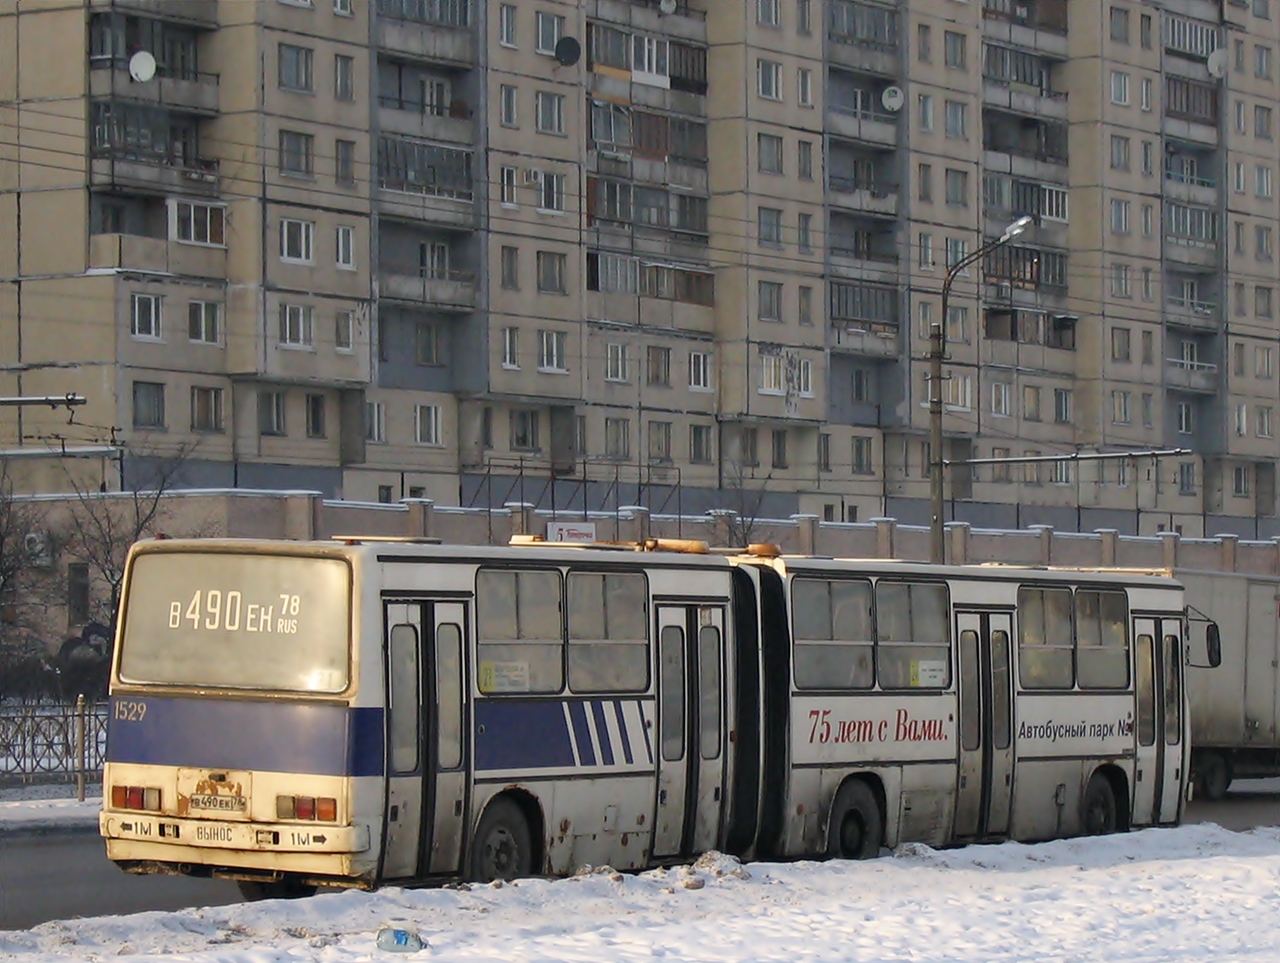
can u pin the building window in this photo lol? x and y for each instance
(769, 298)
(770, 373)
(1186, 477)
(344, 77)
(1119, 216)
(148, 404)
(658, 366)
(1119, 87)
(767, 13)
(1186, 418)
(804, 304)
(345, 243)
(145, 316)
(769, 220)
(1120, 344)
(1119, 152)
(1062, 406)
(824, 452)
(769, 79)
(804, 86)
(511, 348)
(1120, 287)
(804, 24)
(1119, 24)
(426, 425)
(1031, 403)
(551, 351)
(1262, 237)
(510, 268)
(957, 187)
(198, 223)
(700, 370)
(779, 459)
(427, 351)
(804, 232)
(315, 416)
(957, 249)
(769, 153)
(617, 438)
(206, 409)
(297, 153)
(804, 159)
(617, 362)
(700, 451)
(375, 422)
(957, 119)
(748, 447)
(1240, 481)
(924, 182)
(507, 179)
(345, 161)
(1001, 472)
(297, 240)
(862, 464)
(296, 325)
(271, 412)
(1262, 62)
(1262, 122)
(204, 322)
(954, 50)
(508, 104)
(295, 68)
(384, 494)
(344, 323)
(549, 112)
(1264, 362)
(551, 192)
(1264, 421)
(551, 272)
(507, 25)
(924, 43)
(1000, 391)
(660, 441)
(549, 30)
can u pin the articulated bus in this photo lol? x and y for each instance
(367, 711)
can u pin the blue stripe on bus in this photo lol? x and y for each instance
(290, 737)
(581, 734)
(521, 735)
(622, 730)
(602, 732)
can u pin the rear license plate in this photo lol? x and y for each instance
(201, 802)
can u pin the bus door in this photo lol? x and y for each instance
(1169, 681)
(1158, 723)
(985, 783)
(690, 743)
(426, 776)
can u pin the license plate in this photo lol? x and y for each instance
(222, 804)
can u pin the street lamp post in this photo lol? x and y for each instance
(937, 351)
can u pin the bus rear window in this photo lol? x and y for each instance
(237, 621)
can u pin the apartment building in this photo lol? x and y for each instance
(678, 253)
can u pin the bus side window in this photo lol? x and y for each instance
(1102, 642)
(834, 641)
(912, 642)
(709, 691)
(608, 632)
(671, 691)
(402, 666)
(449, 694)
(1146, 690)
(1044, 638)
(519, 640)
(1172, 692)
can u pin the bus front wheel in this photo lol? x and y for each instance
(1099, 807)
(503, 844)
(857, 828)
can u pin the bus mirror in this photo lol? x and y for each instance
(1213, 645)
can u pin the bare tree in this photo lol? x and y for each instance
(24, 597)
(740, 514)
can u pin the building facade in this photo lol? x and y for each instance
(679, 254)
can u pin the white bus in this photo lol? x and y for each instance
(363, 710)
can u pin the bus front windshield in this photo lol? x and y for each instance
(223, 619)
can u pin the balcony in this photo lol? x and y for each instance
(432, 30)
(1050, 104)
(1047, 15)
(1190, 188)
(1184, 312)
(444, 290)
(134, 252)
(450, 122)
(862, 124)
(197, 13)
(864, 36)
(1195, 251)
(1198, 376)
(192, 92)
(154, 173)
(857, 195)
(851, 339)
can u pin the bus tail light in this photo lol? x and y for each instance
(324, 809)
(141, 798)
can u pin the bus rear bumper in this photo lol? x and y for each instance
(202, 836)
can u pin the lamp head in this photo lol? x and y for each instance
(1017, 227)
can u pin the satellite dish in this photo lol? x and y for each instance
(667, 7)
(1217, 63)
(142, 66)
(892, 98)
(567, 51)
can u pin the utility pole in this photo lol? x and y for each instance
(937, 351)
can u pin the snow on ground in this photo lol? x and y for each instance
(1196, 893)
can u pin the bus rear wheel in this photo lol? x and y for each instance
(503, 844)
(1213, 775)
(256, 889)
(857, 827)
(1098, 809)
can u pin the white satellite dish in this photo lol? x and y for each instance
(1217, 63)
(142, 66)
(667, 6)
(892, 98)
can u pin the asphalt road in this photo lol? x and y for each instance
(61, 875)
